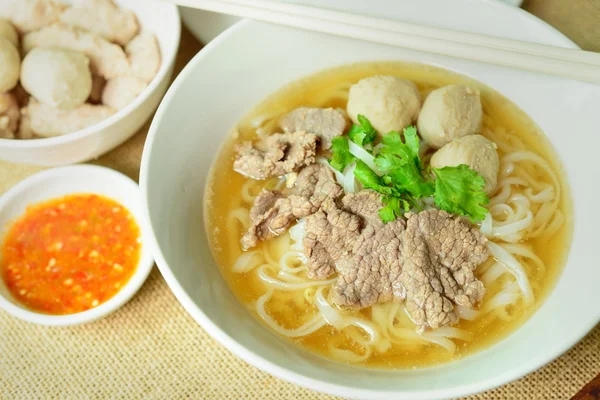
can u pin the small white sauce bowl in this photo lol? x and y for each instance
(163, 20)
(58, 182)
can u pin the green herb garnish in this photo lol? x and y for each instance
(341, 153)
(457, 190)
(363, 134)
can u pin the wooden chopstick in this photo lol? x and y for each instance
(568, 63)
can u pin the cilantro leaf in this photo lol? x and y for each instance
(362, 134)
(369, 179)
(400, 161)
(341, 153)
(459, 190)
(394, 208)
(412, 142)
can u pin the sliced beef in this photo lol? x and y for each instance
(273, 211)
(330, 233)
(261, 214)
(371, 275)
(440, 253)
(327, 123)
(353, 241)
(314, 184)
(265, 200)
(428, 260)
(277, 155)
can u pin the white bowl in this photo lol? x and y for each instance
(240, 68)
(163, 20)
(205, 25)
(58, 182)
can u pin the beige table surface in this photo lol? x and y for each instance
(152, 349)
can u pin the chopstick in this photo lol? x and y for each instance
(568, 63)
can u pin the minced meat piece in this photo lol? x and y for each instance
(274, 211)
(277, 155)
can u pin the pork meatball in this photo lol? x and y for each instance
(8, 31)
(475, 151)
(389, 102)
(448, 113)
(56, 77)
(10, 65)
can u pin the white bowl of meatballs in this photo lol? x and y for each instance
(374, 222)
(80, 77)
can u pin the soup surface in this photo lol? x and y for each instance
(529, 173)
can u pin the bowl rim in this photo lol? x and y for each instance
(167, 61)
(135, 282)
(255, 359)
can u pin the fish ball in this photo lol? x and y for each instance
(10, 65)
(56, 77)
(8, 31)
(475, 151)
(389, 102)
(449, 112)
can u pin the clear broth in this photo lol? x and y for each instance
(224, 188)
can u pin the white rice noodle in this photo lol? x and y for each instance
(525, 251)
(511, 220)
(507, 170)
(546, 213)
(275, 283)
(364, 156)
(519, 226)
(467, 313)
(240, 215)
(501, 196)
(515, 268)
(514, 181)
(544, 196)
(493, 273)
(486, 225)
(260, 120)
(547, 195)
(403, 334)
(247, 261)
(287, 277)
(502, 213)
(311, 326)
(349, 356)
(287, 261)
(339, 321)
(440, 341)
(554, 225)
(442, 337)
(246, 191)
(509, 295)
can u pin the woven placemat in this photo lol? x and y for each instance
(152, 349)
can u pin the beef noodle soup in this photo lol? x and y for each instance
(389, 215)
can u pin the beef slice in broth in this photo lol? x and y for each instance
(327, 123)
